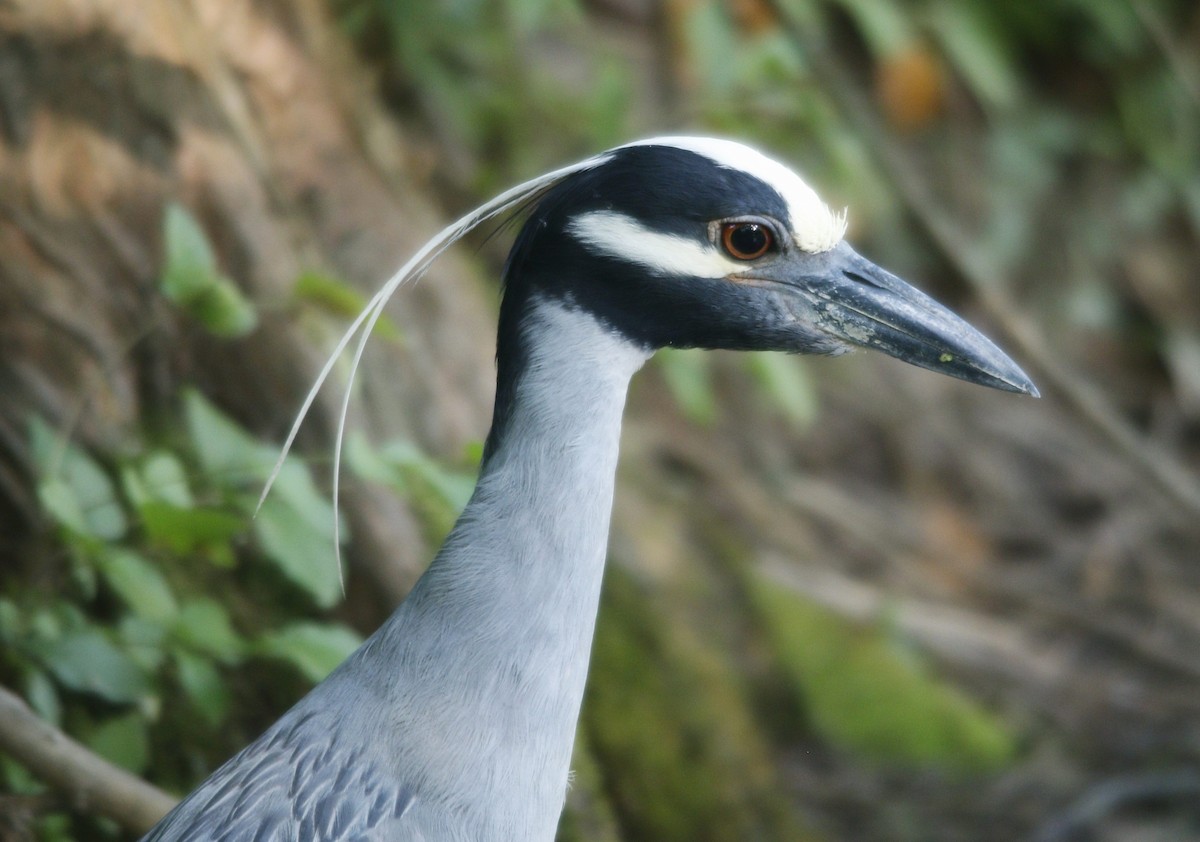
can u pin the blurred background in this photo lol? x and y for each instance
(846, 599)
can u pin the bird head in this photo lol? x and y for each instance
(696, 242)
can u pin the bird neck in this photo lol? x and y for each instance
(539, 517)
(561, 381)
(498, 631)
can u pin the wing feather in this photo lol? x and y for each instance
(295, 784)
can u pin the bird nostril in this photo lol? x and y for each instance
(863, 279)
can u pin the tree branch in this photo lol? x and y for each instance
(1114, 794)
(89, 782)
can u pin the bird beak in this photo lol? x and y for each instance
(856, 302)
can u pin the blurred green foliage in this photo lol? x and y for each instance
(1069, 98)
(125, 644)
(192, 281)
(170, 584)
(470, 66)
(333, 296)
(162, 588)
(867, 692)
(438, 492)
(656, 697)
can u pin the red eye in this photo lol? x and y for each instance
(746, 240)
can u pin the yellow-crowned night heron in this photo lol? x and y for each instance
(455, 720)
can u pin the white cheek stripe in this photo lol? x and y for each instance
(624, 238)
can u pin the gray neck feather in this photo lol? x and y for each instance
(480, 673)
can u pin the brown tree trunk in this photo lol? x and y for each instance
(255, 118)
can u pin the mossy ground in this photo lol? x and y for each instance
(668, 722)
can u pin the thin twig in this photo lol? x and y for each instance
(1176, 55)
(1181, 786)
(89, 782)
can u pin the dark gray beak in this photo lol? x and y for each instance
(854, 301)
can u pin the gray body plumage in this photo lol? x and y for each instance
(455, 721)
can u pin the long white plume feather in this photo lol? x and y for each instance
(817, 230)
(364, 323)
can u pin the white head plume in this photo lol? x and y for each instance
(411, 271)
(818, 227)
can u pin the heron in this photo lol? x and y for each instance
(455, 720)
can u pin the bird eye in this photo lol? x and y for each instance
(746, 240)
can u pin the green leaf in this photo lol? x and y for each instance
(204, 687)
(687, 376)
(607, 122)
(1160, 122)
(223, 310)
(886, 27)
(530, 16)
(11, 621)
(164, 479)
(123, 740)
(15, 778)
(137, 582)
(452, 487)
(203, 626)
(313, 648)
(58, 827)
(366, 461)
(59, 500)
(43, 696)
(144, 640)
(473, 453)
(294, 486)
(191, 280)
(438, 493)
(978, 51)
(1122, 32)
(230, 456)
(785, 379)
(190, 263)
(339, 298)
(185, 530)
(88, 661)
(74, 489)
(711, 41)
(52, 622)
(301, 548)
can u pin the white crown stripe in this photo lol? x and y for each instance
(815, 228)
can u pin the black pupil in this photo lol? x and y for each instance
(748, 239)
